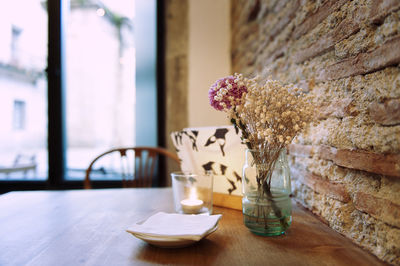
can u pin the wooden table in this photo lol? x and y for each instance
(87, 227)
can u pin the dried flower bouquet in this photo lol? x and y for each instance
(268, 115)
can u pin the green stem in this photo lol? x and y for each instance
(276, 209)
(264, 179)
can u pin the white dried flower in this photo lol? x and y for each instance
(269, 115)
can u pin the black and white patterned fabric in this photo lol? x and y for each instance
(218, 149)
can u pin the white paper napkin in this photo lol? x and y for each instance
(173, 225)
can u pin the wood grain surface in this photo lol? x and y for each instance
(227, 201)
(87, 227)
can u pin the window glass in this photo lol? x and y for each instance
(100, 81)
(23, 90)
(100, 43)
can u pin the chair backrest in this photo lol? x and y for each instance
(137, 169)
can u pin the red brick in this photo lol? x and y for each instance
(326, 43)
(385, 55)
(313, 20)
(323, 186)
(253, 10)
(381, 8)
(385, 164)
(386, 113)
(379, 208)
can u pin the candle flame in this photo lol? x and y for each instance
(193, 193)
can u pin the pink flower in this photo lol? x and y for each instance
(226, 92)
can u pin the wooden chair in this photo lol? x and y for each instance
(137, 169)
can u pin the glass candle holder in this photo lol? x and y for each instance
(192, 192)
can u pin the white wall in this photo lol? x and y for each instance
(209, 57)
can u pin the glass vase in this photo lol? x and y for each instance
(266, 200)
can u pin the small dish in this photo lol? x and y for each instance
(168, 242)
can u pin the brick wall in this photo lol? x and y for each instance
(346, 167)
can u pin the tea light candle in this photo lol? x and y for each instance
(192, 205)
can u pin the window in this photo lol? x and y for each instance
(19, 115)
(15, 35)
(69, 85)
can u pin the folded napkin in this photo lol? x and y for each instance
(174, 226)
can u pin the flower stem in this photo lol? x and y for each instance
(276, 209)
(264, 178)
